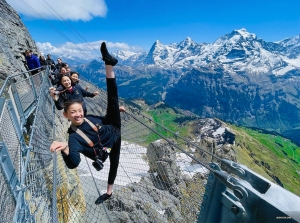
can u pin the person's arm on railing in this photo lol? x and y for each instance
(70, 153)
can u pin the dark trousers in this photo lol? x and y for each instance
(114, 118)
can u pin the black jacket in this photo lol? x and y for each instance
(76, 93)
(78, 145)
(58, 66)
(50, 62)
(43, 63)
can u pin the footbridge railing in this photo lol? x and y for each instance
(19, 96)
(162, 176)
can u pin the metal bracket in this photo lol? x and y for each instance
(245, 173)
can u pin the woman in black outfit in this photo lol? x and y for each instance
(105, 137)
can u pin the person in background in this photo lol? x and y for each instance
(67, 91)
(75, 79)
(68, 69)
(50, 62)
(32, 62)
(58, 76)
(59, 64)
(43, 62)
(104, 133)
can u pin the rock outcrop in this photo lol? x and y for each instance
(216, 138)
(166, 173)
(14, 40)
(166, 195)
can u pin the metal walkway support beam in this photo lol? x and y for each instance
(236, 200)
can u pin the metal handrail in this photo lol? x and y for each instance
(12, 76)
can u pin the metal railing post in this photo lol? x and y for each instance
(18, 104)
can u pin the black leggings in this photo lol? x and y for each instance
(113, 117)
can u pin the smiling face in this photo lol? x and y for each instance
(74, 77)
(66, 82)
(63, 71)
(75, 114)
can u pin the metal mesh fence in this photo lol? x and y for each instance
(20, 175)
(10, 138)
(28, 88)
(38, 177)
(7, 202)
(157, 179)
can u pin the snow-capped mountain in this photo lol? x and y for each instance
(71, 60)
(239, 78)
(238, 51)
(129, 58)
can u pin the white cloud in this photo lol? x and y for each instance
(83, 50)
(68, 9)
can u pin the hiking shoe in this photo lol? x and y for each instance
(102, 198)
(106, 57)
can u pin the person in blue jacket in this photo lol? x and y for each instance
(32, 62)
(106, 136)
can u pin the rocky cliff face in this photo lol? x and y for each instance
(14, 40)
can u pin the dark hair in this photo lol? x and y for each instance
(61, 68)
(70, 102)
(74, 72)
(65, 76)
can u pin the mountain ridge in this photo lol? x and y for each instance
(239, 78)
(235, 51)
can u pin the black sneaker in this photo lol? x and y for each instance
(102, 198)
(106, 57)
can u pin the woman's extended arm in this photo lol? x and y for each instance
(88, 94)
(69, 151)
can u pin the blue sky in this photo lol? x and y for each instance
(137, 24)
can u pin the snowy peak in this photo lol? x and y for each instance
(290, 42)
(128, 57)
(236, 37)
(187, 42)
(246, 35)
(237, 51)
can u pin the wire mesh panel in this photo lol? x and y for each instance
(27, 89)
(39, 174)
(9, 136)
(158, 180)
(7, 201)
